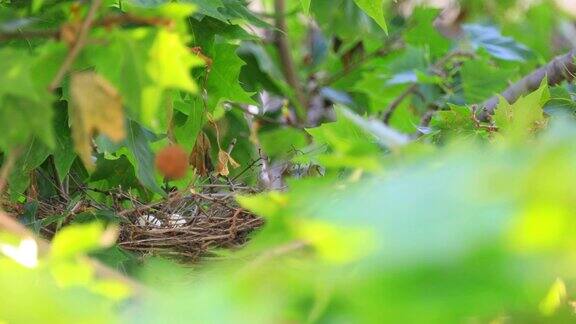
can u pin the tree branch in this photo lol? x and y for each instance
(288, 66)
(78, 45)
(561, 68)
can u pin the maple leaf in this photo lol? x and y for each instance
(96, 107)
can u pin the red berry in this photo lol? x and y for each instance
(172, 162)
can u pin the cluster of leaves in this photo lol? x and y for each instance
(461, 219)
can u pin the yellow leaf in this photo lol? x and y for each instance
(96, 108)
(223, 160)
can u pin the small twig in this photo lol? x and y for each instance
(246, 169)
(78, 45)
(173, 196)
(233, 229)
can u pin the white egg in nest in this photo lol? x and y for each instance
(149, 221)
(176, 220)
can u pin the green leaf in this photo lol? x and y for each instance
(143, 64)
(374, 9)
(423, 34)
(119, 172)
(210, 8)
(75, 240)
(223, 81)
(525, 116)
(481, 80)
(25, 108)
(235, 9)
(456, 120)
(64, 154)
(195, 118)
(20, 119)
(282, 142)
(499, 46)
(141, 156)
(349, 145)
(554, 299)
(31, 157)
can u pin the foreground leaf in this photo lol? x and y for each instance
(96, 107)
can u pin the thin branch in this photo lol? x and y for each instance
(561, 68)
(78, 45)
(288, 66)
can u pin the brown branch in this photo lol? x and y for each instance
(78, 45)
(288, 66)
(561, 68)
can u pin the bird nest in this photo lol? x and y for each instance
(187, 226)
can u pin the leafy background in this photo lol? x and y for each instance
(394, 203)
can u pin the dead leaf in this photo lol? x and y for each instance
(223, 160)
(96, 108)
(200, 156)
